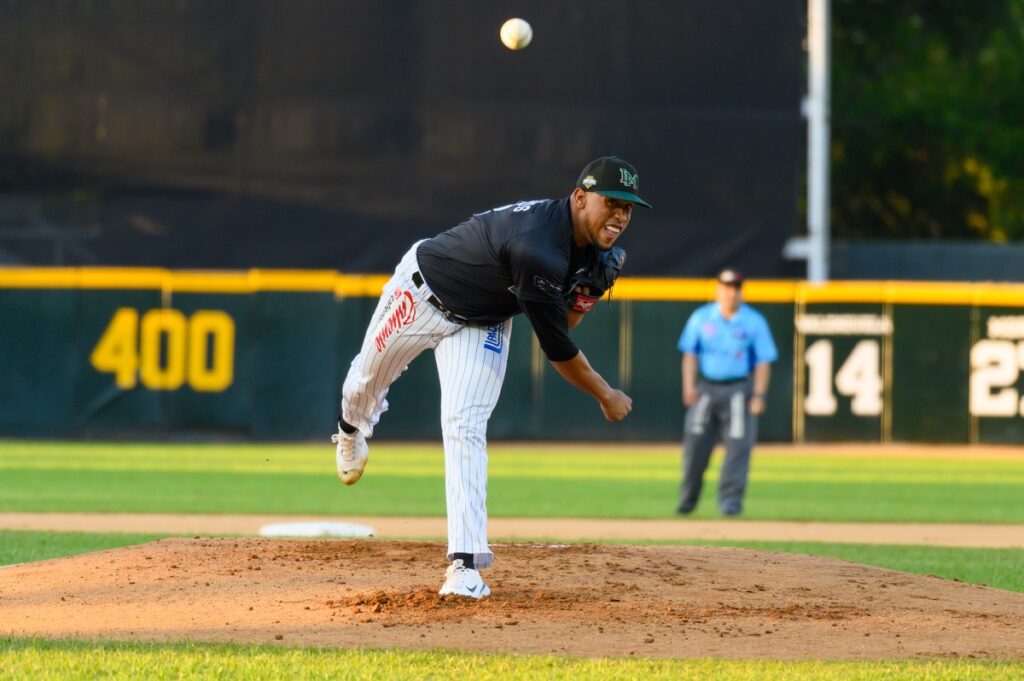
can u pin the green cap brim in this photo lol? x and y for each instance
(623, 196)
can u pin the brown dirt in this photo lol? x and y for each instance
(579, 599)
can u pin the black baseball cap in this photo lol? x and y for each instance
(730, 277)
(611, 176)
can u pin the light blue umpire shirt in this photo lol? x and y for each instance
(727, 349)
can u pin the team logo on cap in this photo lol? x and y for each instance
(589, 181)
(627, 178)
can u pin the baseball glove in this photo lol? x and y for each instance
(588, 284)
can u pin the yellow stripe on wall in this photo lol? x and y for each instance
(359, 286)
(628, 288)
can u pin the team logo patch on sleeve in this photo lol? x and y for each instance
(400, 311)
(546, 286)
(495, 339)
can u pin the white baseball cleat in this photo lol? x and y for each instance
(351, 455)
(463, 581)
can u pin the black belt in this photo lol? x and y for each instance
(727, 381)
(417, 279)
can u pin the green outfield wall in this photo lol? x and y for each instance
(261, 354)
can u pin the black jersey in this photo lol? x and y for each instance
(516, 258)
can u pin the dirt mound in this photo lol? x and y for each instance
(579, 599)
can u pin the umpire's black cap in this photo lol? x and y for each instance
(730, 277)
(611, 176)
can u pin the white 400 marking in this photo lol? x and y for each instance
(859, 377)
(131, 350)
(996, 364)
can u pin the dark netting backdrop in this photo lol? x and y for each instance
(330, 134)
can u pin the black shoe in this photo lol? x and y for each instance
(685, 509)
(732, 511)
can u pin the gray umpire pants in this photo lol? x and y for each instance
(722, 412)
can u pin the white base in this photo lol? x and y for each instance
(316, 529)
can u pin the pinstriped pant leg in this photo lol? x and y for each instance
(403, 325)
(471, 365)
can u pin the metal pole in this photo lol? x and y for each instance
(818, 134)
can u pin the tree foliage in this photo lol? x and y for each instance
(928, 119)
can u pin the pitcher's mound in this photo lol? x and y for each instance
(579, 599)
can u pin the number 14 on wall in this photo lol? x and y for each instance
(859, 378)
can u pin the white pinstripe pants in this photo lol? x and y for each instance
(471, 362)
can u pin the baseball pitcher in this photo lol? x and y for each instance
(456, 294)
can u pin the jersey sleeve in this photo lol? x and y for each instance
(550, 323)
(764, 344)
(689, 340)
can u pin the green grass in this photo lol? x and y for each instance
(529, 482)
(998, 568)
(74, 660)
(24, 547)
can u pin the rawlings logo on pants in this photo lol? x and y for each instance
(402, 314)
(495, 339)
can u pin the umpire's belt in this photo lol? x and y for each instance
(417, 279)
(726, 381)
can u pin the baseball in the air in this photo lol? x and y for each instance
(516, 34)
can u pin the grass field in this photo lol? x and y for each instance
(523, 482)
(25, 547)
(67, 659)
(530, 482)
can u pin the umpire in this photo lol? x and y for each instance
(727, 354)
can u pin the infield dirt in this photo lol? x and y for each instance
(579, 599)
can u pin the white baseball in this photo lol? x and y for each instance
(516, 34)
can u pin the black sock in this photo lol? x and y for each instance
(345, 427)
(466, 558)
